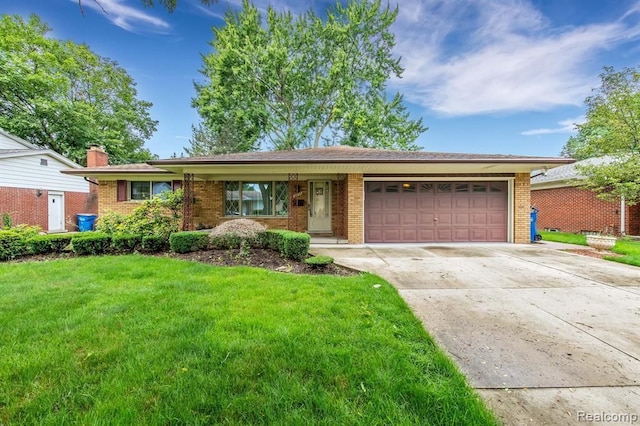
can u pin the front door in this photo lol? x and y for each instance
(56, 212)
(319, 206)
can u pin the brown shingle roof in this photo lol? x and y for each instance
(348, 154)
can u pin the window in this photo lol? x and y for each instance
(145, 190)
(256, 198)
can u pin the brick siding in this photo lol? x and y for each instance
(570, 209)
(522, 208)
(25, 207)
(355, 208)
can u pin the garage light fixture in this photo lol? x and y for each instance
(406, 185)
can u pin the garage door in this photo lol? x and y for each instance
(435, 212)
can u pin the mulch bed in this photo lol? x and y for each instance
(593, 253)
(259, 258)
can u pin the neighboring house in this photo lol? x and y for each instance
(565, 207)
(358, 194)
(34, 192)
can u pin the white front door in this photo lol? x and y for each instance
(56, 212)
(319, 206)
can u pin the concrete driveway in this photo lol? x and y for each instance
(546, 337)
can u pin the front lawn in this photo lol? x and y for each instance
(629, 249)
(564, 237)
(152, 340)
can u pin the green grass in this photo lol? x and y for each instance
(564, 237)
(629, 249)
(149, 340)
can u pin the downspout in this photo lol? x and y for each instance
(623, 217)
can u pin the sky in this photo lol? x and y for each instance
(486, 76)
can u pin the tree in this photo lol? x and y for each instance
(60, 95)
(170, 5)
(612, 129)
(299, 81)
(205, 141)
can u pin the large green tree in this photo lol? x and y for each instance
(60, 95)
(205, 141)
(303, 81)
(612, 129)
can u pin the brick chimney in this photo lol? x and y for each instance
(96, 157)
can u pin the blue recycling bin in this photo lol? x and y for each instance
(534, 232)
(86, 221)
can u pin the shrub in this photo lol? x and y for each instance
(126, 243)
(319, 261)
(60, 242)
(157, 216)
(39, 244)
(90, 243)
(111, 223)
(50, 243)
(188, 241)
(296, 245)
(154, 243)
(290, 244)
(26, 231)
(12, 245)
(233, 233)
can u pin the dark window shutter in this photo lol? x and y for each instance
(122, 190)
(177, 184)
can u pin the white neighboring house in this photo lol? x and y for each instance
(34, 192)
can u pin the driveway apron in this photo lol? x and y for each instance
(545, 336)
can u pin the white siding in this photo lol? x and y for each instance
(26, 172)
(6, 143)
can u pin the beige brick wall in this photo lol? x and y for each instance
(522, 209)
(355, 208)
(108, 199)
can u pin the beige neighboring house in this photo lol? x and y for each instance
(356, 195)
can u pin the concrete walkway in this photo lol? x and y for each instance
(546, 337)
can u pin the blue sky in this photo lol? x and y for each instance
(486, 76)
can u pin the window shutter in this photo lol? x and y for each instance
(177, 184)
(122, 190)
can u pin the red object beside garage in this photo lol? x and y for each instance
(403, 212)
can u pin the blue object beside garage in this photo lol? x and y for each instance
(534, 232)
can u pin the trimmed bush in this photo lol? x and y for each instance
(319, 261)
(50, 243)
(90, 243)
(290, 244)
(296, 245)
(12, 245)
(60, 242)
(188, 241)
(39, 244)
(154, 243)
(233, 233)
(126, 243)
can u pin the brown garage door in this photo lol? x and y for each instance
(435, 212)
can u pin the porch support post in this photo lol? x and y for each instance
(341, 198)
(292, 218)
(187, 203)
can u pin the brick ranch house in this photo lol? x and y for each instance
(357, 194)
(563, 206)
(32, 190)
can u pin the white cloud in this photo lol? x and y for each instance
(566, 126)
(465, 57)
(127, 17)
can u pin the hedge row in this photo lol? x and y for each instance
(292, 245)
